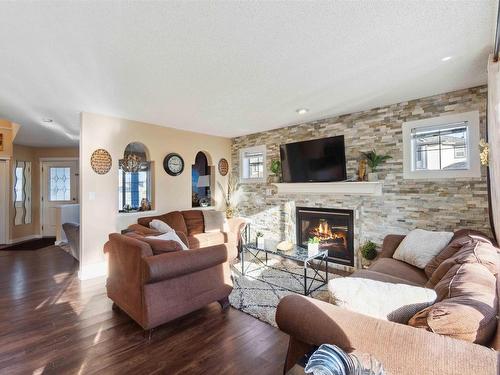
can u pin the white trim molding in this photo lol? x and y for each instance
(339, 188)
(474, 170)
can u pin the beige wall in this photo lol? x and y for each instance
(33, 154)
(99, 193)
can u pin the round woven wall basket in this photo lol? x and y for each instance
(101, 161)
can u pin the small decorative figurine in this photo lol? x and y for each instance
(362, 170)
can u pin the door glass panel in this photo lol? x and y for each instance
(60, 184)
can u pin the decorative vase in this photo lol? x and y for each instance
(260, 242)
(372, 177)
(229, 212)
(312, 249)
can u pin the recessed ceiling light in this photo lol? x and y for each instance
(302, 111)
(47, 120)
(447, 58)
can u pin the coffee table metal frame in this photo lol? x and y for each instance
(254, 251)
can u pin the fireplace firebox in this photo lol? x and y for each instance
(333, 227)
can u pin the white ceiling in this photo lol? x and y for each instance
(230, 68)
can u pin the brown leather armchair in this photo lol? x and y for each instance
(155, 289)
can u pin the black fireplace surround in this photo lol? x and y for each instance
(333, 227)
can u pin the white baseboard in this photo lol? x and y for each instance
(25, 238)
(91, 271)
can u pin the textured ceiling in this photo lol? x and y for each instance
(230, 68)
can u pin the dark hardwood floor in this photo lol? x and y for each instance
(52, 323)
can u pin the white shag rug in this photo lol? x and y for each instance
(259, 291)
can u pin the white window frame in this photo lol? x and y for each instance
(472, 150)
(256, 149)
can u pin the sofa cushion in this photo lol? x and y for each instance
(215, 221)
(459, 239)
(158, 246)
(379, 299)
(373, 275)
(174, 219)
(194, 222)
(469, 308)
(471, 252)
(420, 246)
(400, 269)
(208, 239)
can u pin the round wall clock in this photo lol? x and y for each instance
(100, 161)
(173, 164)
(223, 167)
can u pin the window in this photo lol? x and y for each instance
(133, 187)
(59, 184)
(253, 162)
(135, 179)
(442, 147)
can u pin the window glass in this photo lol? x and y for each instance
(19, 184)
(253, 165)
(133, 187)
(60, 184)
(440, 147)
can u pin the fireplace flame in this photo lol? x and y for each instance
(324, 232)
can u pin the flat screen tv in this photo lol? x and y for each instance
(318, 160)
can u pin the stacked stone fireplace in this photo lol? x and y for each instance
(333, 227)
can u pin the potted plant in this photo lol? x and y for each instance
(374, 160)
(313, 246)
(275, 169)
(260, 240)
(368, 251)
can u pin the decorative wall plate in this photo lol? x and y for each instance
(101, 161)
(173, 164)
(223, 167)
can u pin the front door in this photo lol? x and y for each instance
(59, 187)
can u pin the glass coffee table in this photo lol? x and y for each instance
(297, 254)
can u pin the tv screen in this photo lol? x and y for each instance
(319, 160)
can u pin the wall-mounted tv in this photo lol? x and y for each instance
(318, 160)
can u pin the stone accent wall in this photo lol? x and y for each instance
(446, 204)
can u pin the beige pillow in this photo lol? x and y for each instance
(387, 301)
(420, 246)
(215, 221)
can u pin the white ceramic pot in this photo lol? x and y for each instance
(312, 249)
(373, 176)
(260, 242)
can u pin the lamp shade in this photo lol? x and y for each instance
(203, 181)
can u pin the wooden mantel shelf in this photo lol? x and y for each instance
(345, 188)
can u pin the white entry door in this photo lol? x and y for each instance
(59, 186)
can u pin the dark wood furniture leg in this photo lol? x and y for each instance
(224, 303)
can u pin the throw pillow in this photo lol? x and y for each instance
(472, 252)
(160, 226)
(460, 238)
(420, 246)
(170, 236)
(387, 301)
(215, 221)
(469, 308)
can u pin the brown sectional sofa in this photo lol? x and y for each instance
(471, 264)
(154, 289)
(191, 224)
